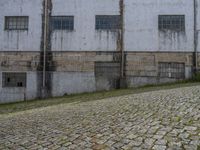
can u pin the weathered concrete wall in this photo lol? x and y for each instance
(21, 40)
(72, 82)
(76, 72)
(142, 67)
(84, 37)
(198, 25)
(141, 25)
(12, 94)
(20, 62)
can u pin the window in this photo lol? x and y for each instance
(62, 23)
(104, 22)
(172, 22)
(16, 23)
(11, 79)
(107, 72)
(172, 70)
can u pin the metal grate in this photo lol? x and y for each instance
(16, 22)
(62, 23)
(172, 70)
(107, 22)
(172, 22)
(11, 79)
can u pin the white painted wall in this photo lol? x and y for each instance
(72, 82)
(198, 25)
(21, 40)
(141, 25)
(13, 94)
(84, 37)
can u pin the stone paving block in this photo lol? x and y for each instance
(159, 147)
(166, 119)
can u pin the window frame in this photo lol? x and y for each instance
(170, 24)
(6, 74)
(57, 17)
(111, 26)
(7, 27)
(170, 67)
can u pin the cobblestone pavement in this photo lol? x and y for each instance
(167, 119)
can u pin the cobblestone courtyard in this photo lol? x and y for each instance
(167, 119)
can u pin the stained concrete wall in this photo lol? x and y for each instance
(84, 37)
(75, 72)
(141, 25)
(198, 25)
(72, 82)
(142, 67)
(21, 40)
(27, 62)
(12, 94)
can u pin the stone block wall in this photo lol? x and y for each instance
(142, 68)
(78, 72)
(18, 62)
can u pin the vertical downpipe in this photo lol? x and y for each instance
(122, 44)
(195, 38)
(45, 45)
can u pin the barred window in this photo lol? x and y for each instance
(172, 70)
(13, 79)
(62, 22)
(16, 22)
(172, 22)
(107, 22)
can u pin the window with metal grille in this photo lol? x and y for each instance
(62, 22)
(172, 22)
(13, 79)
(107, 22)
(16, 22)
(172, 70)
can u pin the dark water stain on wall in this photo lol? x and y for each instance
(49, 57)
(172, 40)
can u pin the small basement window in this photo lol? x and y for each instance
(16, 22)
(172, 22)
(13, 79)
(62, 23)
(172, 70)
(107, 22)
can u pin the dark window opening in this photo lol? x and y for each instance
(11, 79)
(16, 22)
(62, 23)
(172, 70)
(8, 80)
(172, 22)
(20, 84)
(107, 22)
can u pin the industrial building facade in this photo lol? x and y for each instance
(56, 47)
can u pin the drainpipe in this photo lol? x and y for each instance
(45, 43)
(195, 38)
(122, 39)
